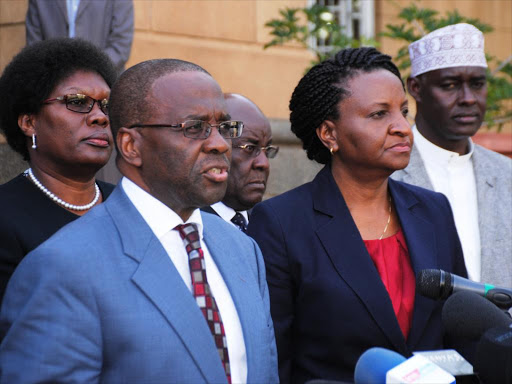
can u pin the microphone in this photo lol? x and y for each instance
(452, 362)
(373, 364)
(493, 360)
(438, 284)
(379, 365)
(467, 315)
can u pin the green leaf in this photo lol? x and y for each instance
(300, 24)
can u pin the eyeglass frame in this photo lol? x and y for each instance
(258, 149)
(206, 131)
(65, 99)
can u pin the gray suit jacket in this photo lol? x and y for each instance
(493, 175)
(106, 23)
(102, 302)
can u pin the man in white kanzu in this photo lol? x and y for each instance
(448, 82)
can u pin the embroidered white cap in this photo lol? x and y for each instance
(458, 45)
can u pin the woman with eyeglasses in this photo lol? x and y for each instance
(342, 251)
(53, 112)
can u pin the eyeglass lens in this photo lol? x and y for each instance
(196, 129)
(254, 150)
(84, 104)
(271, 152)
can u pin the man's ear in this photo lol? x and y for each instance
(326, 132)
(129, 141)
(414, 88)
(26, 122)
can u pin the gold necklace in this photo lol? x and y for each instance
(389, 219)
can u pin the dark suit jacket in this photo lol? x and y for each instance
(328, 302)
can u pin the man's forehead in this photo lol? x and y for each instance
(455, 72)
(256, 125)
(257, 130)
(186, 83)
(188, 93)
(240, 108)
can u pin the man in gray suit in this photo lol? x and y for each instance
(250, 164)
(448, 82)
(146, 288)
(106, 23)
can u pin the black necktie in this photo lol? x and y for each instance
(240, 222)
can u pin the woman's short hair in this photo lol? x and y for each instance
(34, 73)
(316, 97)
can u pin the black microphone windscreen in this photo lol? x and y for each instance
(428, 283)
(493, 360)
(467, 315)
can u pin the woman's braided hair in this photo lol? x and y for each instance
(316, 97)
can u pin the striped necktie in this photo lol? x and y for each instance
(202, 292)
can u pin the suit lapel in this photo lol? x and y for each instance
(209, 209)
(81, 8)
(344, 246)
(62, 8)
(159, 280)
(486, 200)
(415, 173)
(421, 243)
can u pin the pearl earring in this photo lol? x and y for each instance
(34, 145)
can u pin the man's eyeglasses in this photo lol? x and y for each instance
(198, 129)
(80, 103)
(254, 150)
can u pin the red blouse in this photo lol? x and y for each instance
(391, 258)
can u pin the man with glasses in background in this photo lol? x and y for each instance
(250, 166)
(145, 287)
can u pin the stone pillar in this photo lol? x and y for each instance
(291, 167)
(11, 163)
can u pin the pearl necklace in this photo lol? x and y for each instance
(58, 200)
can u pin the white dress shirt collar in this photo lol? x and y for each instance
(437, 154)
(160, 218)
(227, 213)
